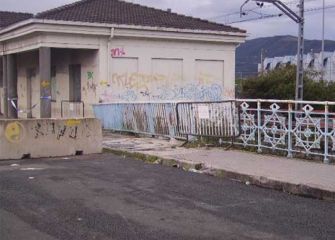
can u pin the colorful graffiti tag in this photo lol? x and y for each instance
(118, 52)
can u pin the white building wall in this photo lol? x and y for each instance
(126, 68)
(143, 70)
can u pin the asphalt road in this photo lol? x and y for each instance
(110, 197)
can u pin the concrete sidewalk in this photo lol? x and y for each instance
(290, 175)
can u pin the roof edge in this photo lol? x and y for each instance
(23, 13)
(134, 27)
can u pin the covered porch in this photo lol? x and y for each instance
(48, 83)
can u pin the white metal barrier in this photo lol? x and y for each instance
(210, 119)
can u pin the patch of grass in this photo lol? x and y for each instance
(144, 157)
(155, 160)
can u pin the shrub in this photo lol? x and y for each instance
(280, 84)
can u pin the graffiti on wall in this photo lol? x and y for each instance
(229, 93)
(211, 92)
(141, 81)
(135, 86)
(14, 132)
(205, 78)
(91, 86)
(118, 52)
(68, 129)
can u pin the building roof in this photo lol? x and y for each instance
(9, 18)
(121, 12)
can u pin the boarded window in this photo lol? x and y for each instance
(127, 82)
(125, 72)
(125, 65)
(209, 72)
(167, 71)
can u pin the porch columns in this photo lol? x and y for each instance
(11, 73)
(45, 79)
(4, 77)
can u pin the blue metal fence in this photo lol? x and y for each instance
(145, 118)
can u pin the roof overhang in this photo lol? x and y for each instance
(114, 30)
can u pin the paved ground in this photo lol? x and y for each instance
(110, 197)
(306, 175)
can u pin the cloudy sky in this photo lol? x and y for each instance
(224, 11)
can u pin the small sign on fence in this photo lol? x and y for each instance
(203, 112)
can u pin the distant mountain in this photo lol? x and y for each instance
(248, 54)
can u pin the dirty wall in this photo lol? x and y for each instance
(49, 137)
(142, 70)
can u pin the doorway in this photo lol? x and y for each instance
(75, 82)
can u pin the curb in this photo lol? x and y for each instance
(295, 189)
(152, 159)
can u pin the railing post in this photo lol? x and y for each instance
(151, 117)
(326, 159)
(170, 113)
(259, 126)
(289, 131)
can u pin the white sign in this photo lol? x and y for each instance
(203, 112)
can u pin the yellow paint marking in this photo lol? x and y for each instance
(104, 83)
(14, 132)
(45, 83)
(72, 122)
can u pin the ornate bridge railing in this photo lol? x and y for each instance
(294, 127)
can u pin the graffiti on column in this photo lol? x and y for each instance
(90, 83)
(45, 88)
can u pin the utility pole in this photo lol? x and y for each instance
(299, 87)
(323, 40)
(299, 19)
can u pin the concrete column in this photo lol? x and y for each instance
(4, 73)
(12, 86)
(45, 79)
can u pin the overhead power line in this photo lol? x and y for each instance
(279, 15)
(225, 15)
(300, 20)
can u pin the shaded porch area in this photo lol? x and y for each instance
(48, 83)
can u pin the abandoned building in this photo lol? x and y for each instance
(97, 51)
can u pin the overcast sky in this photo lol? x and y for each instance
(217, 10)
